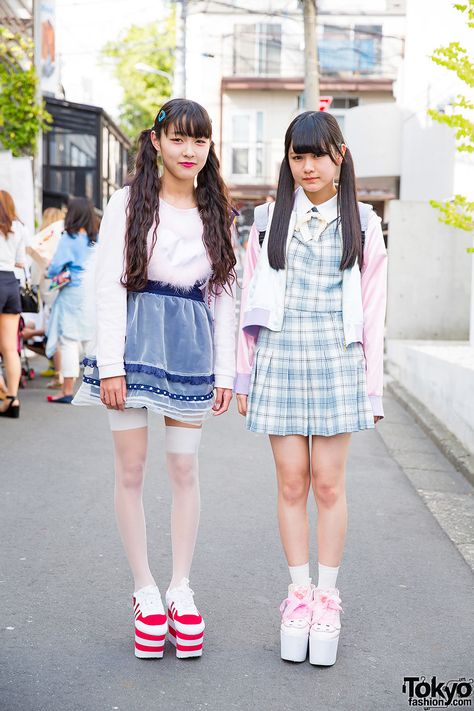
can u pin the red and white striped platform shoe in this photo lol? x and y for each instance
(185, 624)
(150, 623)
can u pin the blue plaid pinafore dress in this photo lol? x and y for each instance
(304, 379)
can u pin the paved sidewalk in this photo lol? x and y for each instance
(65, 612)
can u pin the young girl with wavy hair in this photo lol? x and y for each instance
(310, 359)
(165, 343)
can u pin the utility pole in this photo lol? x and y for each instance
(180, 71)
(311, 71)
(38, 157)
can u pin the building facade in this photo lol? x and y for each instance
(250, 75)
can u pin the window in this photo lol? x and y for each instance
(257, 49)
(71, 149)
(344, 102)
(247, 152)
(357, 50)
(368, 46)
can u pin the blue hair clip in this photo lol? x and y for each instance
(161, 116)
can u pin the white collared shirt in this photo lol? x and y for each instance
(303, 204)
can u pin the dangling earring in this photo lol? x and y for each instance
(159, 163)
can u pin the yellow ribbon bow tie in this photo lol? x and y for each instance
(302, 226)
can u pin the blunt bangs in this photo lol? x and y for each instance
(186, 118)
(311, 135)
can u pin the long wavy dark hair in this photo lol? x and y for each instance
(187, 118)
(316, 132)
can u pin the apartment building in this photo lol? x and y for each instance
(249, 73)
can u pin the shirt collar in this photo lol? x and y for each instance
(303, 205)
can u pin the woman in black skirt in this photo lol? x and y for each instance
(12, 254)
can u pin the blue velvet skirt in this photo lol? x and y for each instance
(168, 355)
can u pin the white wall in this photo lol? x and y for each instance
(16, 177)
(429, 275)
(429, 161)
(373, 134)
(441, 376)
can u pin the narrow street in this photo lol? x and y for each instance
(65, 591)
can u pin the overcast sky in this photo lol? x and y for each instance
(82, 28)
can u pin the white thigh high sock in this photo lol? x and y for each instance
(130, 457)
(182, 445)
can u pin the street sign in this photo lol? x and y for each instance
(324, 102)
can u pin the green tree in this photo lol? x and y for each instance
(22, 116)
(152, 45)
(459, 211)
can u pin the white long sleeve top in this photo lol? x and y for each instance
(179, 258)
(12, 247)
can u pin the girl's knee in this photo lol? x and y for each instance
(130, 473)
(326, 490)
(183, 470)
(293, 487)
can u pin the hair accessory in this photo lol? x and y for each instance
(161, 116)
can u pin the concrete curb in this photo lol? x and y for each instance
(450, 446)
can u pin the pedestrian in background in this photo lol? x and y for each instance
(41, 248)
(310, 359)
(165, 342)
(69, 329)
(13, 236)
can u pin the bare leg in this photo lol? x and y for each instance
(291, 454)
(69, 358)
(9, 349)
(329, 457)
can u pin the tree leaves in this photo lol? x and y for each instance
(144, 92)
(458, 212)
(22, 116)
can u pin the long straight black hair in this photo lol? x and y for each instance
(187, 118)
(316, 132)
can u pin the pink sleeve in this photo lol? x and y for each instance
(246, 341)
(374, 299)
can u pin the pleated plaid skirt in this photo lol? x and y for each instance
(304, 379)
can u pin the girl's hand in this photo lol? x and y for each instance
(222, 401)
(377, 418)
(113, 392)
(242, 404)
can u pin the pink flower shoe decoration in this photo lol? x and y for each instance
(325, 627)
(296, 614)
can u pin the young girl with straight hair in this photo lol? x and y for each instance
(165, 343)
(310, 359)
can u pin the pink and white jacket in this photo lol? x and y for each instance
(363, 298)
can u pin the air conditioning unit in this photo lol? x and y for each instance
(396, 6)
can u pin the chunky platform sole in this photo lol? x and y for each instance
(323, 647)
(294, 644)
(150, 646)
(187, 645)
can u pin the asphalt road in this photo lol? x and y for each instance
(65, 592)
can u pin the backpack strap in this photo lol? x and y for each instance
(261, 216)
(364, 214)
(262, 213)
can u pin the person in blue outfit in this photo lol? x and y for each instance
(69, 328)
